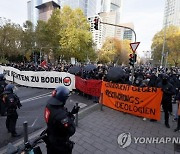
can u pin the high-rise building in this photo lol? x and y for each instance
(111, 5)
(108, 30)
(32, 11)
(89, 7)
(172, 13)
(110, 12)
(75, 4)
(96, 34)
(46, 9)
(127, 33)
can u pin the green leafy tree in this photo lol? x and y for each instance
(69, 34)
(114, 51)
(9, 38)
(28, 45)
(41, 35)
(171, 45)
(54, 28)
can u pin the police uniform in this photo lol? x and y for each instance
(60, 123)
(2, 86)
(12, 102)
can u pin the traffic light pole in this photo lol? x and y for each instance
(122, 27)
(132, 73)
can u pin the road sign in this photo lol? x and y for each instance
(134, 46)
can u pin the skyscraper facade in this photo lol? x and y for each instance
(110, 12)
(96, 34)
(111, 5)
(32, 13)
(127, 33)
(46, 9)
(89, 7)
(172, 13)
(74, 4)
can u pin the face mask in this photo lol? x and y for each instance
(137, 81)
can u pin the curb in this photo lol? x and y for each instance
(31, 136)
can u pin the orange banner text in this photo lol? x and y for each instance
(139, 101)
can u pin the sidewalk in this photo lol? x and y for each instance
(97, 133)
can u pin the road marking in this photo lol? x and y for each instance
(34, 122)
(81, 105)
(38, 132)
(35, 98)
(28, 125)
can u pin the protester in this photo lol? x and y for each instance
(168, 91)
(143, 76)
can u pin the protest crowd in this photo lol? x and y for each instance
(168, 79)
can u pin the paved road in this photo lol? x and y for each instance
(98, 131)
(98, 134)
(34, 101)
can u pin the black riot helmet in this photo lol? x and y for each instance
(2, 77)
(59, 96)
(9, 88)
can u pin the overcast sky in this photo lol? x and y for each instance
(146, 15)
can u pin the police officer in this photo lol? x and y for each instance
(2, 86)
(12, 102)
(60, 122)
(168, 91)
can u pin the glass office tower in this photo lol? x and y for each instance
(32, 14)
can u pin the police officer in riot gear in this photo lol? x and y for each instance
(60, 122)
(2, 86)
(12, 102)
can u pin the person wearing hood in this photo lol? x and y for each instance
(168, 91)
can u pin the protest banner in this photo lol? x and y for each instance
(41, 79)
(139, 101)
(90, 87)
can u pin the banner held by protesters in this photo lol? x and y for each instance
(90, 87)
(139, 101)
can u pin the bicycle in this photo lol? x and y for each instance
(28, 147)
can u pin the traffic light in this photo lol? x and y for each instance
(132, 59)
(135, 57)
(96, 20)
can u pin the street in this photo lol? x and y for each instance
(33, 103)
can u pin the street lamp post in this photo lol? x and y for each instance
(122, 27)
(132, 74)
(164, 39)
